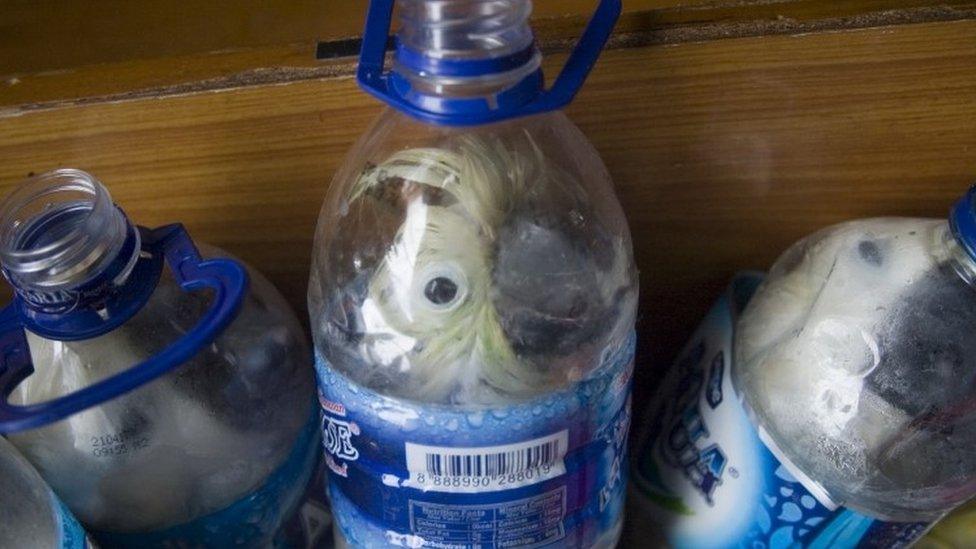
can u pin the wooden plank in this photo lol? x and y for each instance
(54, 52)
(723, 153)
(45, 35)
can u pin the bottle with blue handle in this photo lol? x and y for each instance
(473, 295)
(166, 398)
(30, 514)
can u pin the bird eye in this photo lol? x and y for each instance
(441, 286)
(870, 252)
(441, 290)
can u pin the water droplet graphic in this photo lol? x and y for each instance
(790, 512)
(500, 413)
(808, 502)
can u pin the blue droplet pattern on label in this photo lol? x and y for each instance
(551, 470)
(752, 500)
(72, 534)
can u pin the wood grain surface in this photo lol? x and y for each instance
(49, 35)
(723, 152)
(57, 52)
(46, 35)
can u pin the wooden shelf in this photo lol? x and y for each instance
(731, 128)
(59, 52)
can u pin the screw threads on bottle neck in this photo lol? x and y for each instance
(60, 230)
(446, 31)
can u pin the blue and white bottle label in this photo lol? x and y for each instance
(549, 471)
(710, 481)
(72, 534)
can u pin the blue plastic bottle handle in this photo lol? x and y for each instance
(226, 277)
(373, 77)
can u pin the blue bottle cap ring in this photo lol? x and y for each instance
(525, 98)
(962, 221)
(101, 304)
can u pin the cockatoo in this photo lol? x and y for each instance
(489, 283)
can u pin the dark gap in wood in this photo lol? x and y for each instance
(780, 26)
(338, 48)
(347, 47)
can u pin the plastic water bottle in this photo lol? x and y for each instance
(30, 514)
(855, 368)
(167, 399)
(473, 295)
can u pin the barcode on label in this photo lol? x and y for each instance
(487, 467)
(493, 464)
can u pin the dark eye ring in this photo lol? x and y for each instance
(441, 290)
(442, 286)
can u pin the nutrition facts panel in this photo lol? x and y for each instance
(529, 522)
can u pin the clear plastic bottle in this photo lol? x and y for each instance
(30, 514)
(164, 406)
(847, 417)
(857, 358)
(472, 296)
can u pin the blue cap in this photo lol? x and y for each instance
(962, 221)
(526, 97)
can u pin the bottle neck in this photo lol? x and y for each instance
(63, 242)
(956, 255)
(465, 48)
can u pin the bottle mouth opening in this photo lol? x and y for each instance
(57, 228)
